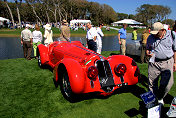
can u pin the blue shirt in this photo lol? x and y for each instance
(123, 33)
(163, 48)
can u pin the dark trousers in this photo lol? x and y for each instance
(143, 49)
(27, 49)
(92, 45)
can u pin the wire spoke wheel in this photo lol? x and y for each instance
(39, 61)
(66, 85)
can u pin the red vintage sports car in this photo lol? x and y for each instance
(80, 70)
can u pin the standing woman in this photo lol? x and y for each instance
(37, 39)
(48, 35)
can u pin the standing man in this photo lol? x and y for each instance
(26, 41)
(99, 38)
(144, 38)
(122, 39)
(91, 37)
(161, 48)
(65, 31)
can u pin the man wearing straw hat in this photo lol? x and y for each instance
(65, 31)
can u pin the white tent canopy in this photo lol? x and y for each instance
(4, 19)
(127, 21)
(79, 21)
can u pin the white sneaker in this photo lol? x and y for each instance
(161, 102)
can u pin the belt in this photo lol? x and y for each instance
(157, 59)
(90, 40)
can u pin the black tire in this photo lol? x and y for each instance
(66, 88)
(39, 61)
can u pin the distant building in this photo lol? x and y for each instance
(132, 23)
(80, 21)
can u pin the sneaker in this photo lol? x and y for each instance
(161, 102)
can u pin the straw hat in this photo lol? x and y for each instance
(48, 26)
(65, 22)
(156, 27)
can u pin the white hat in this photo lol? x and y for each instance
(156, 27)
(27, 25)
(48, 26)
(166, 27)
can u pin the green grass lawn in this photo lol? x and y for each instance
(56, 32)
(28, 91)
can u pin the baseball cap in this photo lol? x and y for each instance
(156, 27)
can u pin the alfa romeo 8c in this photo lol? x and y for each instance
(79, 70)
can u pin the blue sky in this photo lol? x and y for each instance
(129, 6)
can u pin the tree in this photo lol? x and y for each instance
(160, 16)
(109, 14)
(168, 22)
(122, 16)
(45, 4)
(94, 9)
(11, 15)
(131, 16)
(145, 12)
(32, 4)
(148, 14)
(17, 6)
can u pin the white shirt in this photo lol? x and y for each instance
(100, 33)
(37, 36)
(91, 33)
(26, 34)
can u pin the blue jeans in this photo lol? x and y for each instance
(92, 45)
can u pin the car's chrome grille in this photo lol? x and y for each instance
(105, 74)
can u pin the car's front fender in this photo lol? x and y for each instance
(43, 52)
(132, 74)
(75, 73)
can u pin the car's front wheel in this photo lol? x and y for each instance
(66, 88)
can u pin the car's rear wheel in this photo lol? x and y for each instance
(39, 61)
(66, 88)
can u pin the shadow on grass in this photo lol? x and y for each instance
(135, 58)
(115, 54)
(47, 67)
(137, 91)
(134, 89)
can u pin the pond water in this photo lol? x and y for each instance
(10, 47)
